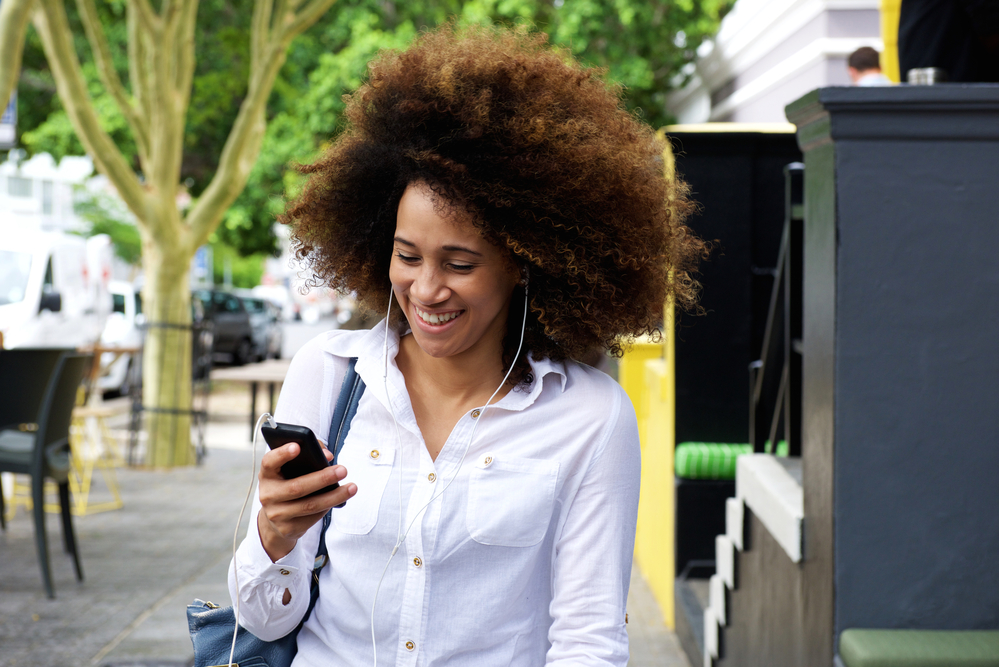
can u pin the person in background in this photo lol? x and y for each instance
(864, 66)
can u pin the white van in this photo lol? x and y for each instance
(53, 288)
(122, 329)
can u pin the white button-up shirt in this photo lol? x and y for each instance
(524, 560)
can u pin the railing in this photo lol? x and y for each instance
(775, 378)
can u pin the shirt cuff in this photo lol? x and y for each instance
(255, 564)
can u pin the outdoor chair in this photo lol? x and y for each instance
(24, 376)
(45, 453)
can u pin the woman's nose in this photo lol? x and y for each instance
(429, 287)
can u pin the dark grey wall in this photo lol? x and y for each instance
(738, 180)
(915, 413)
(781, 612)
(767, 610)
(917, 391)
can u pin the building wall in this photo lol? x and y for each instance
(769, 53)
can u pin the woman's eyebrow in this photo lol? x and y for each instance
(449, 248)
(458, 248)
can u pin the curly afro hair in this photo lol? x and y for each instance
(541, 152)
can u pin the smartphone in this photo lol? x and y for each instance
(310, 455)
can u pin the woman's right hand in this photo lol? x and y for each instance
(286, 514)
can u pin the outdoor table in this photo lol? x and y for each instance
(271, 371)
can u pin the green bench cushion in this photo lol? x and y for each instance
(708, 460)
(919, 648)
(713, 460)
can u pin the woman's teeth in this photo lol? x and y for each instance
(431, 318)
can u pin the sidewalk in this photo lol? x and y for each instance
(170, 543)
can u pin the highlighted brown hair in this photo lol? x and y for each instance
(541, 152)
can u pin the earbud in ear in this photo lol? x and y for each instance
(525, 276)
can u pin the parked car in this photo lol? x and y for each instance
(265, 320)
(124, 328)
(233, 333)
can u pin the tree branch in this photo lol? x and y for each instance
(109, 75)
(240, 152)
(53, 27)
(185, 51)
(14, 17)
(137, 72)
(259, 31)
(304, 19)
(148, 19)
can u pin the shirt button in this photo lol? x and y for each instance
(283, 571)
(374, 454)
(476, 413)
(431, 477)
(410, 646)
(487, 460)
(417, 562)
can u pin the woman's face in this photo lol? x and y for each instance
(453, 285)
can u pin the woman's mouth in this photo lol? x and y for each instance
(437, 319)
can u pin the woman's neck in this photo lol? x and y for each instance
(469, 377)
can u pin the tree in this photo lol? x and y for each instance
(644, 44)
(154, 105)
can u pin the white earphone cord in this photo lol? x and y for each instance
(235, 533)
(400, 536)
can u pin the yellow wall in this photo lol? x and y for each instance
(646, 374)
(889, 34)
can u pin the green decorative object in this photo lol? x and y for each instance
(919, 648)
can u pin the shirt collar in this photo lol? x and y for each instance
(368, 346)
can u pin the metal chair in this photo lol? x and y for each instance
(45, 453)
(24, 375)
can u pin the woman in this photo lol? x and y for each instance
(482, 176)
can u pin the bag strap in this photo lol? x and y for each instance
(346, 407)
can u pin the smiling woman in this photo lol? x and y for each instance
(494, 198)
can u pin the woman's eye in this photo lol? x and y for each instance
(406, 258)
(461, 267)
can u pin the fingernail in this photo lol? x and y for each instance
(352, 489)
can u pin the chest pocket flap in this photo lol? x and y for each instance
(510, 500)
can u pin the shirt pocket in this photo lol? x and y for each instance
(510, 500)
(370, 470)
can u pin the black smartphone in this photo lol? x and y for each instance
(310, 455)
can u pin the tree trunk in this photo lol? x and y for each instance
(166, 368)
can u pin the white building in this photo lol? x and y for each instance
(38, 193)
(769, 53)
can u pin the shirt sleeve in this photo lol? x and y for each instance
(261, 582)
(593, 552)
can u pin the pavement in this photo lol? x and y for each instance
(170, 543)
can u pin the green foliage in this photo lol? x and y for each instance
(106, 215)
(245, 271)
(642, 44)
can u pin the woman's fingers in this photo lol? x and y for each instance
(326, 451)
(289, 507)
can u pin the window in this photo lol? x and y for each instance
(19, 187)
(119, 303)
(46, 197)
(14, 267)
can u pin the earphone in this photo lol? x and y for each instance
(400, 536)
